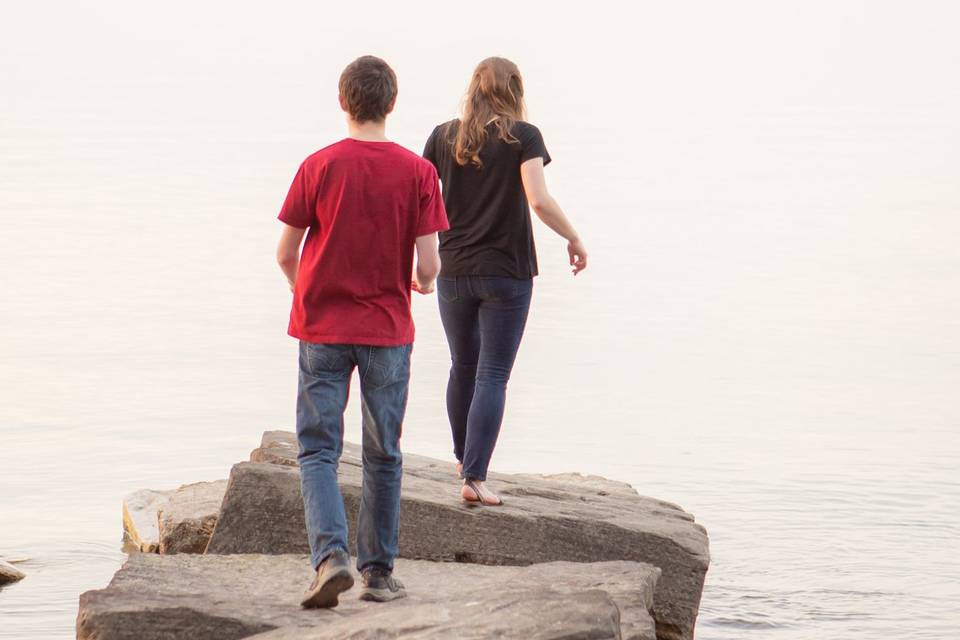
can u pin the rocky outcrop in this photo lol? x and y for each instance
(9, 573)
(544, 519)
(561, 517)
(156, 597)
(140, 509)
(187, 519)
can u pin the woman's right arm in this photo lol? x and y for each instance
(547, 209)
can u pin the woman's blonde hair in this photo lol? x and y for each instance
(495, 93)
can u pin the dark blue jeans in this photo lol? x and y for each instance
(484, 318)
(325, 371)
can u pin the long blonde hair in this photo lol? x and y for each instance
(495, 94)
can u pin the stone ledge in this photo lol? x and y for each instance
(155, 597)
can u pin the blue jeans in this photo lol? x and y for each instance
(484, 318)
(325, 371)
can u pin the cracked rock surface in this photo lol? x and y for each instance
(157, 597)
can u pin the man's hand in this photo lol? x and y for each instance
(578, 255)
(422, 289)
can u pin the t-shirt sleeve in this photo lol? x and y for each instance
(298, 208)
(532, 145)
(433, 215)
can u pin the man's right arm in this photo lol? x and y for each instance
(288, 252)
(428, 263)
(432, 219)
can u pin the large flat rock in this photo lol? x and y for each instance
(186, 520)
(156, 597)
(536, 614)
(566, 517)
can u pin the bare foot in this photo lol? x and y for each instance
(476, 491)
(460, 470)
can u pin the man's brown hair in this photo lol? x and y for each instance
(368, 89)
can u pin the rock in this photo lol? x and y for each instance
(9, 573)
(280, 447)
(189, 515)
(566, 517)
(140, 519)
(536, 614)
(156, 597)
(14, 558)
(174, 521)
(597, 483)
(276, 447)
(262, 512)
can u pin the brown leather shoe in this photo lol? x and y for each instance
(333, 578)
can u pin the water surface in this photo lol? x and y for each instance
(768, 332)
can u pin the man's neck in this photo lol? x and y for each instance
(368, 131)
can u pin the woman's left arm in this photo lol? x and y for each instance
(547, 209)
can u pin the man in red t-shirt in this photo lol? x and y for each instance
(364, 204)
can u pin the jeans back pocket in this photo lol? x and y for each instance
(326, 358)
(502, 287)
(447, 289)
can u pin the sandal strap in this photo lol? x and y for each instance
(482, 493)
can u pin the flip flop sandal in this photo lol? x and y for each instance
(481, 494)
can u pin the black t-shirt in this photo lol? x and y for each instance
(490, 229)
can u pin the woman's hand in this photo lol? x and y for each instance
(578, 255)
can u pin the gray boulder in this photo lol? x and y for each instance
(9, 573)
(280, 447)
(566, 517)
(187, 519)
(140, 530)
(155, 597)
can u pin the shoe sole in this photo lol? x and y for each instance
(327, 595)
(381, 595)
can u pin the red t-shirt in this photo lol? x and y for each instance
(365, 203)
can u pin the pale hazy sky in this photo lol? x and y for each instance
(614, 60)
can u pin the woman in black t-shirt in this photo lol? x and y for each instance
(491, 164)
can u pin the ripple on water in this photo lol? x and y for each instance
(730, 612)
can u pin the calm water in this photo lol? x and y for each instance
(769, 333)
